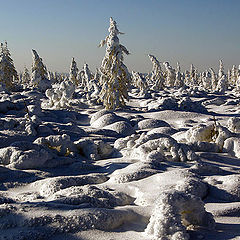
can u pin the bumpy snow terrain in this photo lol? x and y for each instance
(157, 169)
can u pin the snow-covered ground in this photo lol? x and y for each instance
(164, 167)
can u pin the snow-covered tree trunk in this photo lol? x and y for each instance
(115, 78)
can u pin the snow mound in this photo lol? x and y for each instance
(208, 133)
(140, 146)
(225, 187)
(121, 127)
(99, 114)
(90, 196)
(24, 155)
(163, 130)
(59, 144)
(151, 123)
(174, 213)
(231, 146)
(46, 223)
(106, 119)
(234, 124)
(93, 150)
(202, 168)
(132, 172)
(49, 186)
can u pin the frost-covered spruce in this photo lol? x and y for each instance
(87, 76)
(193, 76)
(221, 69)
(206, 80)
(73, 72)
(179, 79)
(140, 82)
(234, 75)
(156, 75)
(39, 78)
(26, 78)
(213, 79)
(8, 73)
(115, 78)
(171, 74)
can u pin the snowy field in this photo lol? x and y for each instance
(133, 173)
(117, 155)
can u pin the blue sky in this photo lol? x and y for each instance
(189, 31)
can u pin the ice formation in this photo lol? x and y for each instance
(115, 78)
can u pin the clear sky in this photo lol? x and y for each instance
(189, 31)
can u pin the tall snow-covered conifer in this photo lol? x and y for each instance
(73, 72)
(8, 73)
(115, 78)
(156, 75)
(39, 72)
(26, 76)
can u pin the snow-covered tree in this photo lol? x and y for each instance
(213, 79)
(234, 75)
(26, 78)
(39, 73)
(221, 69)
(156, 75)
(115, 78)
(171, 74)
(87, 76)
(206, 80)
(222, 79)
(140, 82)
(60, 95)
(179, 80)
(193, 75)
(73, 72)
(8, 73)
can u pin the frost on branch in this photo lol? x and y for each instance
(39, 73)
(115, 77)
(156, 75)
(176, 211)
